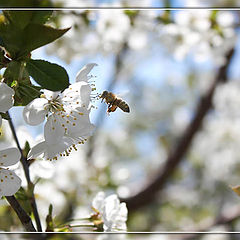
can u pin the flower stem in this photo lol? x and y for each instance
(26, 171)
(22, 215)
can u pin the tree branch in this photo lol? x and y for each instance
(26, 171)
(22, 215)
(148, 194)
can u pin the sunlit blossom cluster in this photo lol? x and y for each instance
(9, 181)
(109, 212)
(193, 32)
(67, 115)
(67, 123)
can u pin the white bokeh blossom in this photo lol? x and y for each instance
(112, 213)
(9, 181)
(6, 98)
(67, 114)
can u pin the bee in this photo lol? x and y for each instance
(114, 102)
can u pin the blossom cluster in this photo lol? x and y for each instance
(109, 212)
(67, 124)
(67, 115)
(9, 181)
(194, 32)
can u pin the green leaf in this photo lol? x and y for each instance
(26, 93)
(3, 60)
(10, 36)
(41, 17)
(49, 220)
(23, 198)
(22, 18)
(16, 71)
(18, 18)
(25, 3)
(20, 37)
(26, 149)
(4, 116)
(48, 75)
(36, 35)
(15, 3)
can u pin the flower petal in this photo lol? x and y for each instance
(54, 129)
(37, 150)
(0, 120)
(98, 201)
(6, 97)
(34, 113)
(50, 95)
(9, 182)
(82, 75)
(76, 95)
(83, 127)
(9, 157)
(54, 149)
(85, 92)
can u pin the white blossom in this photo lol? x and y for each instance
(67, 115)
(111, 211)
(9, 181)
(113, 30)
(6, 98)
(192, 33)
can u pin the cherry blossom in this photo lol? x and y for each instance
(111, 212)
(9, 181)
(67, 115)
(6, 98)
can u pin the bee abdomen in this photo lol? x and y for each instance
(123, 105)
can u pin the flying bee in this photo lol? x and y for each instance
(114, 102)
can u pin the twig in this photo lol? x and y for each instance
(22, 215)
(148, 194)
(26, 171)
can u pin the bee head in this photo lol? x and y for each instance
(104, 94)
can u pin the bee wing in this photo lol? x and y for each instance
(123, 94)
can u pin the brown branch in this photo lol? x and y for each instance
(26, 171)
(148, 194)
(22, 215)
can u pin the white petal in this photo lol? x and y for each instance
(83, 126)
(6, 97)
(77, 94)
(82, 74)
(72, 93)
(0, 120)
(111, 206)
(37, 150)
(98, 201)
(53, 129)
(9, 157)
(50, 94)
(85, 92)
(9, 182)
(56, 148)
(123, 211)
(34, 113)
(50, 150)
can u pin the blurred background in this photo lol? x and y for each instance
(175, 156)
